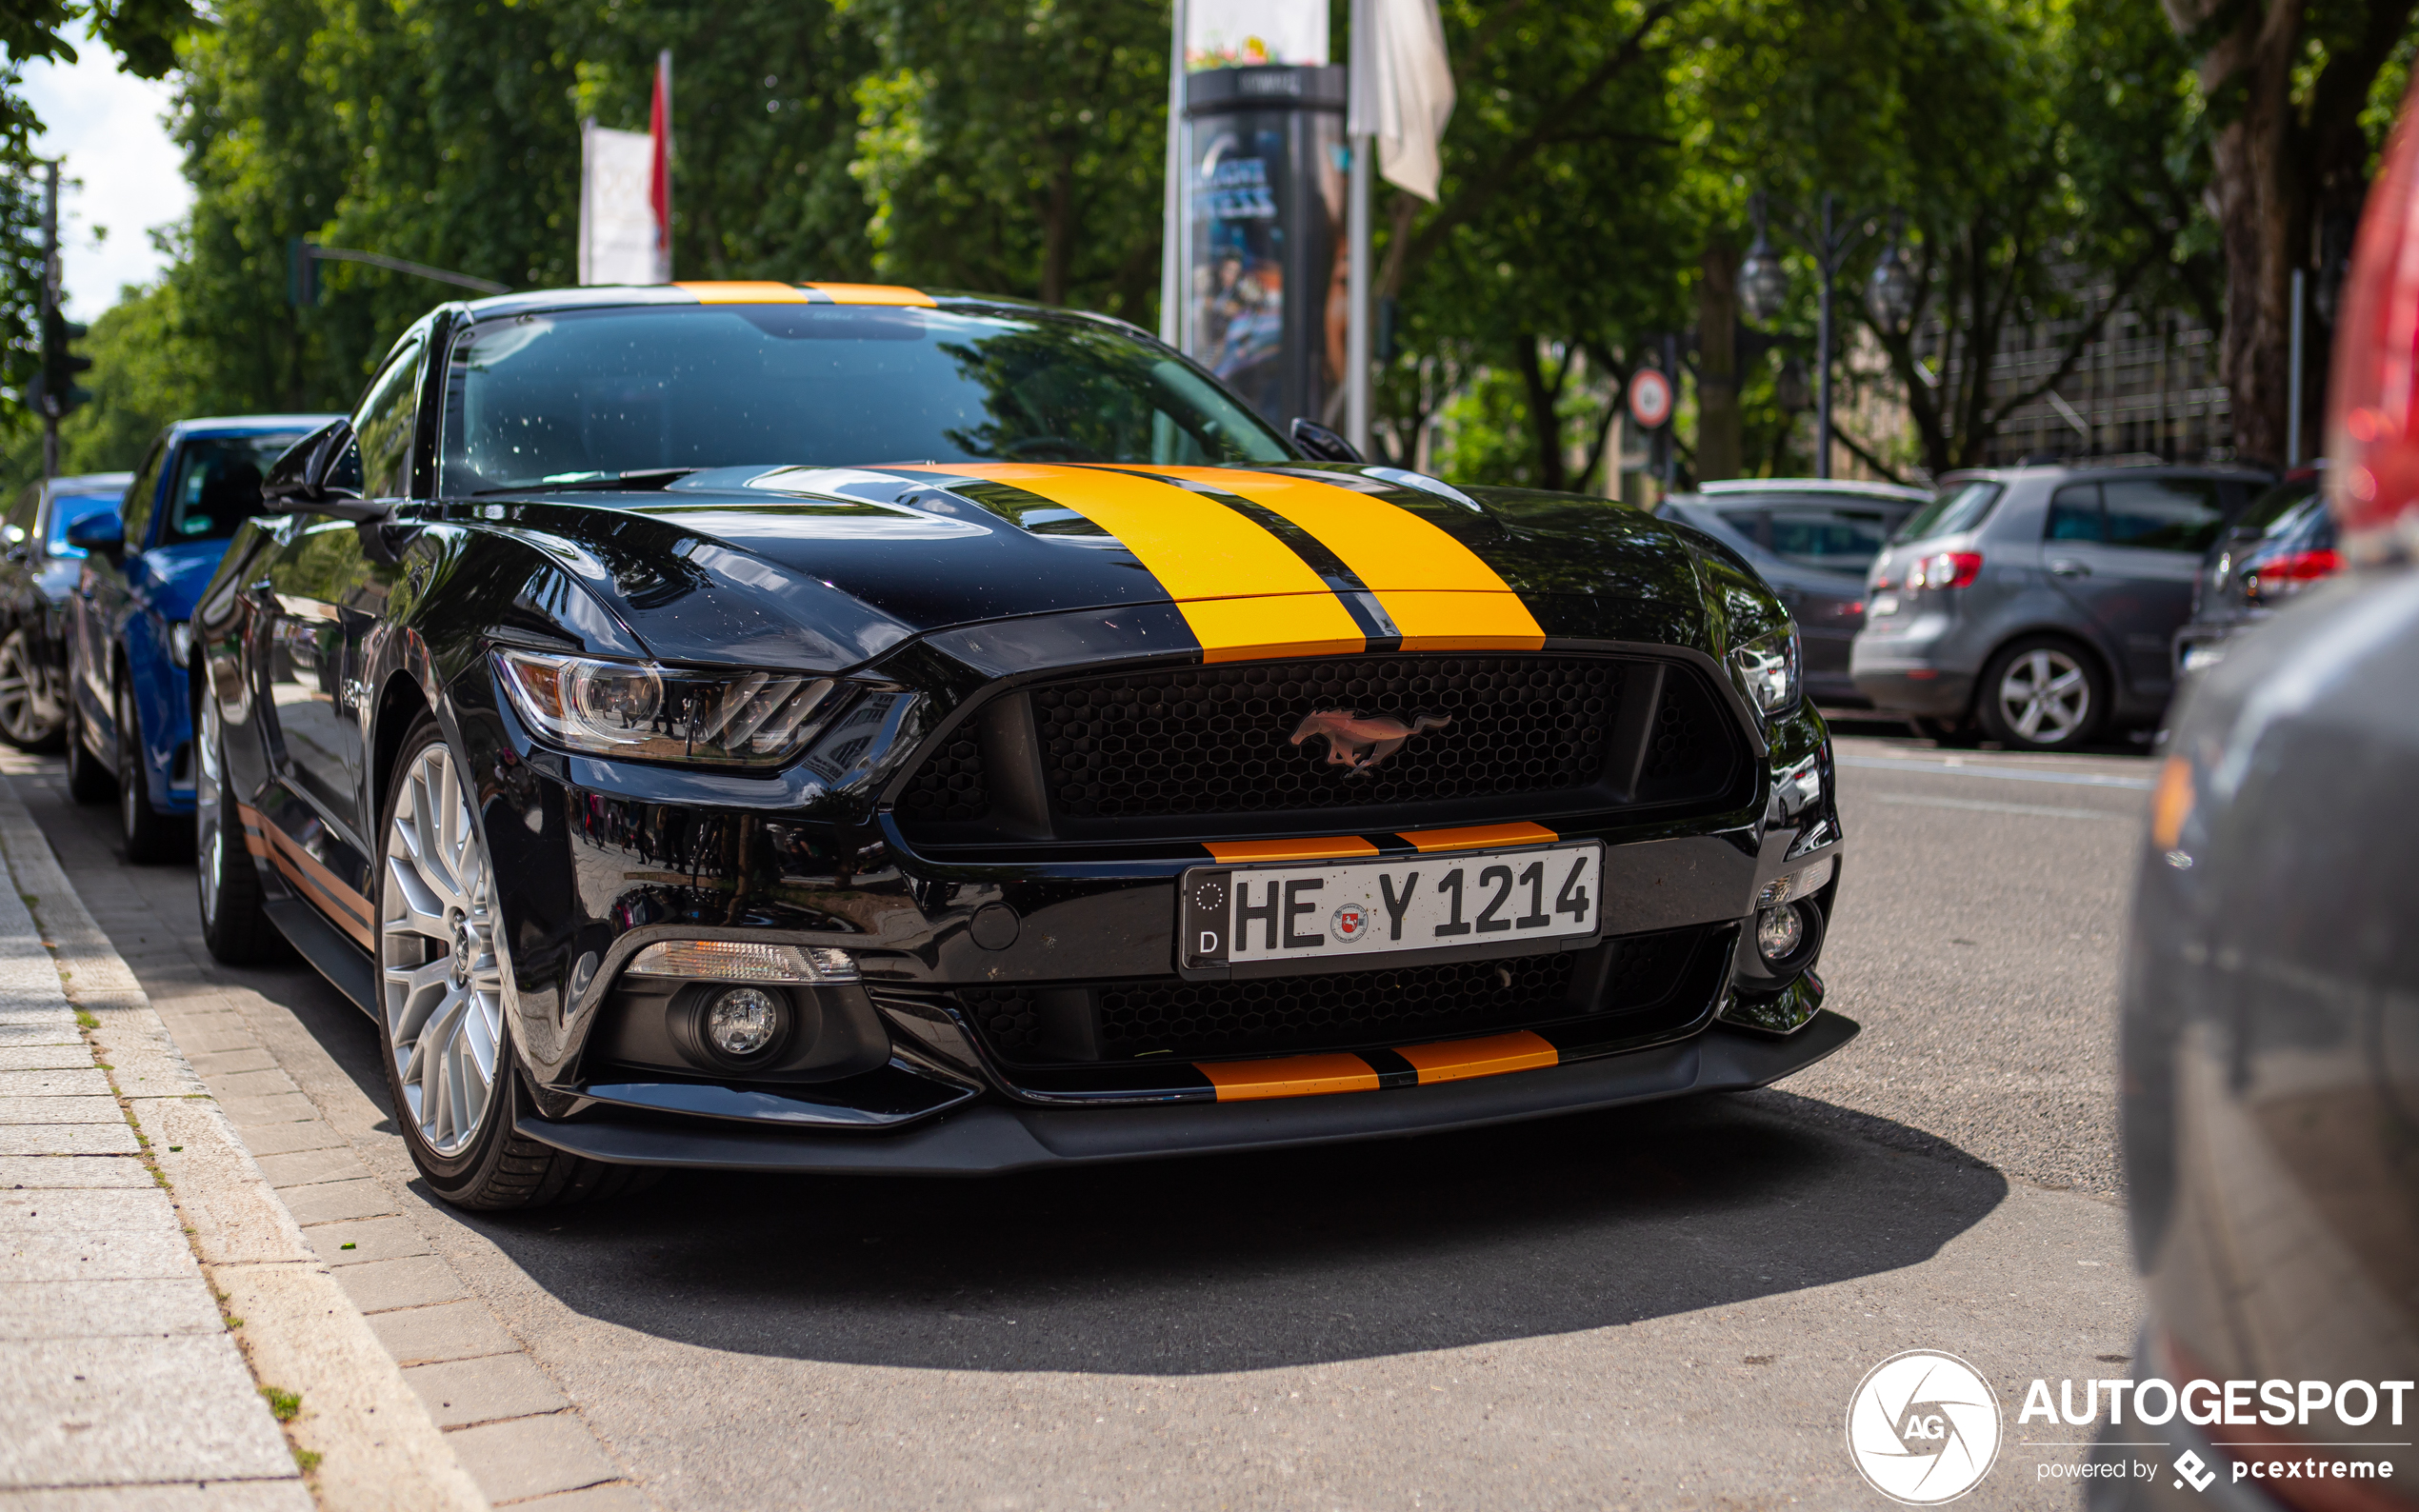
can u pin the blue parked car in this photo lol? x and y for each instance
(129, 712)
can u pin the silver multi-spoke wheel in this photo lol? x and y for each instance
(26, 715)
(444, 992)
(2045, 696)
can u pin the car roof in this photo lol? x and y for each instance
(91, 482)
(738, 291)
(1896, 493)
(2095, 467)
(247, 424)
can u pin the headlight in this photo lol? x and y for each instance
(180, 642)
(1768, 670)
(662, 713)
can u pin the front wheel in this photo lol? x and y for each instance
(89, 781)
(149, 835)
(449, 1056)
(234, 925)
(27, 719)
(2043, 693)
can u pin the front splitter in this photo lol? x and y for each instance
(995, 1137)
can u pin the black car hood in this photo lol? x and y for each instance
(830, 567)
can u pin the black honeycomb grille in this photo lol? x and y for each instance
(948, 788)
(1217, 740)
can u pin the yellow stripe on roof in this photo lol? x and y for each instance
(746, 293)
(1242, 592)
(874, 294)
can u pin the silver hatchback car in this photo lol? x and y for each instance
(2035, 606)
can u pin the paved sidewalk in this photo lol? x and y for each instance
(117, 1372)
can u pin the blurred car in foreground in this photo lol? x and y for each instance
(2037, 606)
(2270, 1095)
(1811, 539)
(2282, 544)
(128, 710)
(37, 575)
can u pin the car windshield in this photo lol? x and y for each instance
(1960, 507)
(578, 396)
(218, 484)
(66, 508)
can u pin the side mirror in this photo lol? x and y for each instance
(104, 532)
(321, 474)
(1322, 444)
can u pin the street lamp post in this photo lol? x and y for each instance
(1764, 286)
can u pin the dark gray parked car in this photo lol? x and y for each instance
(1811, 539)
(2283, 545)
(38, 570)
(2036, 605)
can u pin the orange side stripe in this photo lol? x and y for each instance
(1477, 835)
(1321, 847)
(1458, 1059)
(1288, 1076)
(874, 294)
(737, 292)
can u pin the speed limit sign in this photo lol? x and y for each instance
(1650, 398)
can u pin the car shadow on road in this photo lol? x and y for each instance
(1244, 1262)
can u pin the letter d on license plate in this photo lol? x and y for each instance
(1430, 904)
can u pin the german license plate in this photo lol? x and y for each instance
(1324, 910)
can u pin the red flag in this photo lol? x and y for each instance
(659, 188)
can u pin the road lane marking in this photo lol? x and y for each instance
(1983, 806)
(2013, 774)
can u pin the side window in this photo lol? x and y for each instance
(2074, 513)
(1844, 540)
(2162, 514)
(136, 511)
(1753, 524)
(386, 423)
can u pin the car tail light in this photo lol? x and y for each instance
(2372, 428)
(1945, 570)
(2289, 574)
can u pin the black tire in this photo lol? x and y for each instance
(89, 781)
(234, 925)
(151, 836)
(495, 1167)
(2072, 704)
(23, 721)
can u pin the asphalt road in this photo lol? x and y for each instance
(1666, 1306)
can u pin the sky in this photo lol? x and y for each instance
(108, 127)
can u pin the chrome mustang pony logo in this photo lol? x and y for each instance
(1361, 742)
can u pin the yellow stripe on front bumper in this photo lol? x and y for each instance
(1476, 836)
(1242, 592)
(1459, 1060)
(1323, 847)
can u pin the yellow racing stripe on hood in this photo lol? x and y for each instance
(1438, 592)
(1242, 592)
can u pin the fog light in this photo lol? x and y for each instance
(1778, 933)
(742, 1022)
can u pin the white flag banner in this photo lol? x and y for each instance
(1414, 94)
(620, 242)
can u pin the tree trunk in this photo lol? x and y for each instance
(2273, 171)
(1545, 422)
(1718, 436)
(1059, 234)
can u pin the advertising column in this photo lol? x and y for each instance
(1265, 164)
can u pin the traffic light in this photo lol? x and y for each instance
(54, 391)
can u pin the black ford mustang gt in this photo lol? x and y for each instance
(840, 728)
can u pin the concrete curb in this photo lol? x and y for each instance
(378, 1447)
